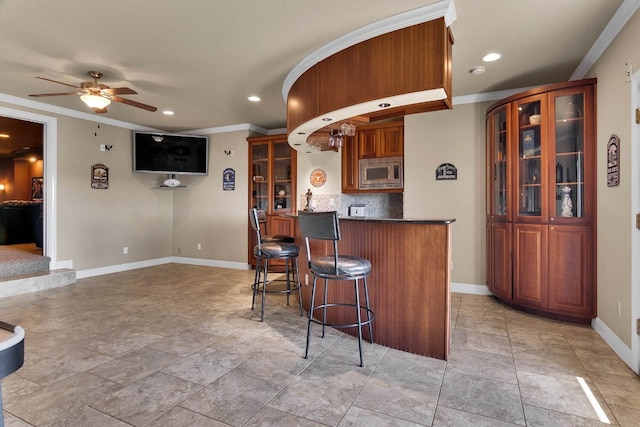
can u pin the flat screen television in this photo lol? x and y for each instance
(170, 153)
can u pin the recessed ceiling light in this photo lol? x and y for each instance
(254, 98)
(4, 135)
(490, 57)
(384, 105)
(327, 119)
(167, 113)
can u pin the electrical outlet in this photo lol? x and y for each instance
(619, 309)
(332, 202)
(199, 246)
(125, 250)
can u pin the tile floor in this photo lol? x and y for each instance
(177, 345)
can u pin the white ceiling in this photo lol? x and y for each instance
(203, 58)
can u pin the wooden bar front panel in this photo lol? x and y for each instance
(408, 286)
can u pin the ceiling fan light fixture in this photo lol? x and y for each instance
(95, 101)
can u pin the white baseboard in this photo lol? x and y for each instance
(81, 274)
(616, 344)
(212, 263)
(469, 288)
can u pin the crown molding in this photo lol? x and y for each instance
(615, 25)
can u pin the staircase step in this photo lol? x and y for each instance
(38, 282)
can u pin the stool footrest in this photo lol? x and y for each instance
(370, 314)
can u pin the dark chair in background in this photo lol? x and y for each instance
(334, 267)
(268, 249)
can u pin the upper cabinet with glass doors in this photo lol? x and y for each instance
(498, 196)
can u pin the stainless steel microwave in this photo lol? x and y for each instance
(380, 173)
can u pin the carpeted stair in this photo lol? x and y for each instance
(17, 263)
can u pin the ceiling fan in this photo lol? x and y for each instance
(97, 96)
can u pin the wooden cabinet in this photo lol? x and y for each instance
(541, 200)
(370, 141)
(349, 168)
(272, 185)
(380, 140)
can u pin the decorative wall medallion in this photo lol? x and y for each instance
(99, 176)
(613, 161)
(318, 177)
(446, 171)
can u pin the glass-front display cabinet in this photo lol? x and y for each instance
(530, 154)
(499, 196)
(272, 185)
(541, 200)
(569, 152)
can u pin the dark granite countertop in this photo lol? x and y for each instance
(398, 220)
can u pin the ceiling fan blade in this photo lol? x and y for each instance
(56, 94)
(60, 83)
(119, 91)
(134, 103)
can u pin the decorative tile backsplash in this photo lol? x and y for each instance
(376, 205)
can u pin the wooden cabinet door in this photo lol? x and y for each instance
(350, 165)
(500, 265)
(571, 270)
(391, 142)
(367, 143)
(280, 225)
(530, 279)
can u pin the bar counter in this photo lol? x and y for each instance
(409, 285)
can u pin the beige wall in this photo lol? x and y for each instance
(205, 213)
(615, 219)
(94, 225)
(453, 136)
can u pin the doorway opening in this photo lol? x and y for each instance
(22, 215)
(49, 134)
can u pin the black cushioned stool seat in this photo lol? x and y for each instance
(268, 250)
(335, 267)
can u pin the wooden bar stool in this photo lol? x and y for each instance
(334, 267)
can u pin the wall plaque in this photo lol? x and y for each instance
(99, 176)
(613, 161)
(229, 179)
(446, 172)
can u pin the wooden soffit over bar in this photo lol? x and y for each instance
(402, 72)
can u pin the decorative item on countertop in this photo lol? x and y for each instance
(567, 204)
(229, 179)
(446, 172)
(613, 161)
(99, 176)
(308, 195)
(318, 177)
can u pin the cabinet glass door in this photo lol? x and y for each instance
(529, 164)
(569, 156)
(260, 176)
(282, 188)
(499, 148)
